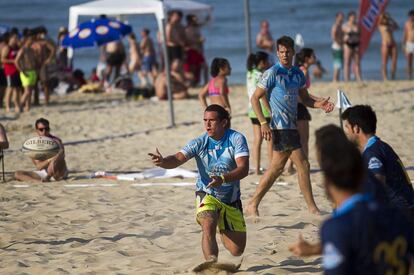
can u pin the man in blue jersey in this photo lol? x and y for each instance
(283, 84)
(382, 162)
(222, 158)
(362, 236)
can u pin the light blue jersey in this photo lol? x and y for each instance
(282, 86)
(217, 157)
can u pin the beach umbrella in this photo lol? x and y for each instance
(96, 32)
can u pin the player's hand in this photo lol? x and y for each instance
(302, 248)
(266, 131)
(216, 181)
(325, 105)
(156, 158)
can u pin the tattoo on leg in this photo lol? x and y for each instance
(208, 214)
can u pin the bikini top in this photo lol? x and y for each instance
(213, 90)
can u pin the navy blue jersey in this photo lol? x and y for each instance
(380, 158)
(364, 237)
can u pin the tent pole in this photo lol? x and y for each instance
(247, 27)
(167, 72)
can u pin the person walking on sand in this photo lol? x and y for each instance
(256, 65)
(362, 236)
(408, 43)
(337, 46)
(217, 88)
(52, 168)
(386, 27)
(26, 64)
(283, 84)
(222, 158)
(351, 48)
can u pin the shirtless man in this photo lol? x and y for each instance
(52, 168)
(149, 62)
(408, 43)
(26, 64)
(175, 32)
(337, 45)
(45, 49)
(386, 27)
(264, 38)
(3, 80)
(115, 57)
(134, 54)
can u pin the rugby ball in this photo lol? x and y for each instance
(40, 148)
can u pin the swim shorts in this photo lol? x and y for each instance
(230, 216)
(148, 62)
(3, 80)
(409, 47)
(28, 78)
(115, 59)
(337, 55)
(285, 140)
(14, 80)
(175, 52)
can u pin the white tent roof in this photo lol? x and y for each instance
(126, 7)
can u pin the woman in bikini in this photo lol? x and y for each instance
(217, 88)
(351, 49)
(387, 26)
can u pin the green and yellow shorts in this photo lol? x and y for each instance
(230, 217)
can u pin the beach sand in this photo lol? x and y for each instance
(113, 227)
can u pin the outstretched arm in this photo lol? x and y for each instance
(322, 103)
(169, 162)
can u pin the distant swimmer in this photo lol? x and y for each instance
(222, 158)
(53, 168)
(283, 84)
(362, 236)
(217, 88)
(408, 43)
(386, 27)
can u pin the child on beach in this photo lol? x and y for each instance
(256, 65)
(217, 88)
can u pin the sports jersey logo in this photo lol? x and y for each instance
(219, 168)
(332, 257)
(374, 163)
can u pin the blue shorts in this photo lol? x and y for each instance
(285, 140)
(148, 62)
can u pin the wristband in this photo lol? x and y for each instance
(222, 178)
(263, 123)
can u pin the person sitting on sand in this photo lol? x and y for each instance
(217, 88)
(52, 168)
(222, 157)
(179, 83)
(362, 236)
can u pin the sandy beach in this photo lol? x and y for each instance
(102, 226)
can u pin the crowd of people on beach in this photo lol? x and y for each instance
(371, 229)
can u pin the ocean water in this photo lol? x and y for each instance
(225, 35)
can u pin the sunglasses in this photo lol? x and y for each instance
(43, 129)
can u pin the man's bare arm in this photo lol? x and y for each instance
(169, 162)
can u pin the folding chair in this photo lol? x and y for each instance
(2, 164)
